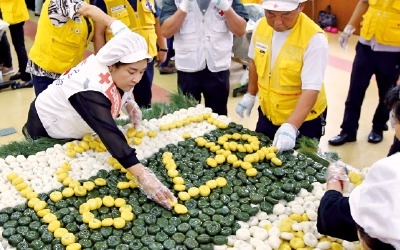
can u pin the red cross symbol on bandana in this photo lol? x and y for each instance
(221, 13)
(104, 78)
(275, 6)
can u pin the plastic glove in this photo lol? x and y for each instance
(151, 186)
(285, 137)
(246, 103)
(134, 112)
(223, 5)
(337, 171)
(186, 5)
(344, 37)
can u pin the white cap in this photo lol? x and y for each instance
(125, 47)
(281, 5)
(375, 204)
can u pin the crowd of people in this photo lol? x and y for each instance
(288, 57)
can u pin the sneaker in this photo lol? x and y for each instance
(7, 71)
(167, 70)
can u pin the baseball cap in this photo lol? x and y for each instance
(125, 47)
(281, 5)
(375, 205)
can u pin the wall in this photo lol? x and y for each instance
(341, 8)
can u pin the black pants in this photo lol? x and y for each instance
(142, 90)
(213, 85)
(312, 129)
(5, 52)
(385, 67)
(34, 126)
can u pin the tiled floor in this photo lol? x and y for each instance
(14, 103)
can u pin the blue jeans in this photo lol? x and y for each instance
(41, 83)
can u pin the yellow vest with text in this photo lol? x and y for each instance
(142, 22)
(280, 87)
(14, 11)
(58, 48)
(382, 21)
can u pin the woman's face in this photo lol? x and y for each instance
(126, 76)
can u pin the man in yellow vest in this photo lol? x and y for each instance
(377, 53)
(140, 17)
(288, 57)
(16, 13)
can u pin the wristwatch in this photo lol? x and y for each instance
(163, 50)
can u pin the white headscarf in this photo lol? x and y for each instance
(125, 47)
(375, 204)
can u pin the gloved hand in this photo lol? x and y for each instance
(344, 37)
(223, 5)
(186, 5)
(337, 171)
(285, 137)
(151, 186)
(246, 103)
(134, 112)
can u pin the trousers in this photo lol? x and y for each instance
(142, 91)
(385, 67)
(213, 85)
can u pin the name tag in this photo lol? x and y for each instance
(261, 46)
(118, 8)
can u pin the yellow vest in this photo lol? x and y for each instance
(280, 90)
(58, 48)
(382, 20)
(14, 11)
(252, 1)
(143, 21)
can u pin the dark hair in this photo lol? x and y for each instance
(392, 101)
(373, 243)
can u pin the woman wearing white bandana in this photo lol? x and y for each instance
(372, 211)
(87, 98)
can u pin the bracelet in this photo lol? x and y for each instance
(163, 50)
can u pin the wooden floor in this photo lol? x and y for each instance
(14, 104)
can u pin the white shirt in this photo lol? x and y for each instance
(314, 62)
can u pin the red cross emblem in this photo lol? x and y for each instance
(104, 78)
(221, 13)
(275, 6)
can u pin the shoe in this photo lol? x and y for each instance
(167, 70)
(7, 71)
(375, 136)
(6, 84)
(341, 139)
(16, 76)
(21, 85)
